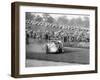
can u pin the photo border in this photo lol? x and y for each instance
(15, 32)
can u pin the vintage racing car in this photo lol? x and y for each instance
(54, 47)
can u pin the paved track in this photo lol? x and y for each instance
(70, 55)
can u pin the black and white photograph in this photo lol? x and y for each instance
(52, 39)
(57, 39)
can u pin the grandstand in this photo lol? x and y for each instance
(70, 35)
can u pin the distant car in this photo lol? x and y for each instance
(54, 46)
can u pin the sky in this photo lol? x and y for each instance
(69, 16)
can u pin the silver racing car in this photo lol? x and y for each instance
(54, 47)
